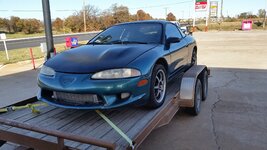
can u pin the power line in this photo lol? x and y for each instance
(162, 5)
(27, 10)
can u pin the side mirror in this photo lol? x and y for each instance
(172, 40)
(184, 31)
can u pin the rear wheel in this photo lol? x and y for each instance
(194, 57)
(205, 85)
(157, 87)
(197, 99)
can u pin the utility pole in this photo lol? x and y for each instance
(166, 11)
(48, 28)
(264, 21)
(222, 10)
(84, 19)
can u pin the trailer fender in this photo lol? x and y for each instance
(188, 84)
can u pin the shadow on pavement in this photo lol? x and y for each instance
(18, 87)
(232, 117)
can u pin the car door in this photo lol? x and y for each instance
(178, 51)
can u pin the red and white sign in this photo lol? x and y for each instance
(201, 5)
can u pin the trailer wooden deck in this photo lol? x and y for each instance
(135, 122)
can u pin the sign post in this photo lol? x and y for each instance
(200, 5)
(3, 37)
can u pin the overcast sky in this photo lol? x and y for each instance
(156, 8)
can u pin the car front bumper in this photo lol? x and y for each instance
(107, 92)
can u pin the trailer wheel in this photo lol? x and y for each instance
(205, 85)
(158, 87)
(194, 57)
(197, 99)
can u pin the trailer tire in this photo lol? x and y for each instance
(197, 99)
(205, 85)
(157, 96)
(194, 57)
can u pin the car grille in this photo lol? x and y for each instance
(76, 99)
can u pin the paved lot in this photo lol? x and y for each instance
(234, 114)
(18, 82)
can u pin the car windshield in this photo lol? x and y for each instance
(136, 33)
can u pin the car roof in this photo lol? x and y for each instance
(146, 21)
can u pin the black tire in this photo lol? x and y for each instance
(197, 99)
(157, 94)
(194, 57)
(205, 85)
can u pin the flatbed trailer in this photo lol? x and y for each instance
(58, 128)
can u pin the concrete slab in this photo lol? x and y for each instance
(18, 82)
(234, 114)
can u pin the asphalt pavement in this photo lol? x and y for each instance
(35, 41)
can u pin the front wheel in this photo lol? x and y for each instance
(157, 87)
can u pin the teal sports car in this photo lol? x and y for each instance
(126, 64)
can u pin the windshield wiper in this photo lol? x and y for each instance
(127, 42)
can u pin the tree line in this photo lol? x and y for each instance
(95, 20)
(16, 24)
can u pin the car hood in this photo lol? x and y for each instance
(93, 58)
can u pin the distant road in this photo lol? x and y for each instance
(35, 41)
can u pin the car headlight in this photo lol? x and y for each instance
(47, 71)
(116, 73)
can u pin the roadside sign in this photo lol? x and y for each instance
(43, 47)
(3, 36)
(201, 5)
(71, 42)
(214, 9)
(247, 24)
(74, 42)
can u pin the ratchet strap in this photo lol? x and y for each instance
(31, 106)
(117, 129)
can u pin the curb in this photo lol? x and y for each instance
(2, 66)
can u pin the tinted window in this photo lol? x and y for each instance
(172, 31)
(127, 33)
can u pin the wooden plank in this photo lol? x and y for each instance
(125, 125)
(56, 123)
(91, 125)
(104, 127)
(36, 120)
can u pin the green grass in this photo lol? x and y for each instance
(22, 54)
(23, 35)
(225, 26)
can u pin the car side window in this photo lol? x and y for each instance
(182, 33)
(172, 31)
